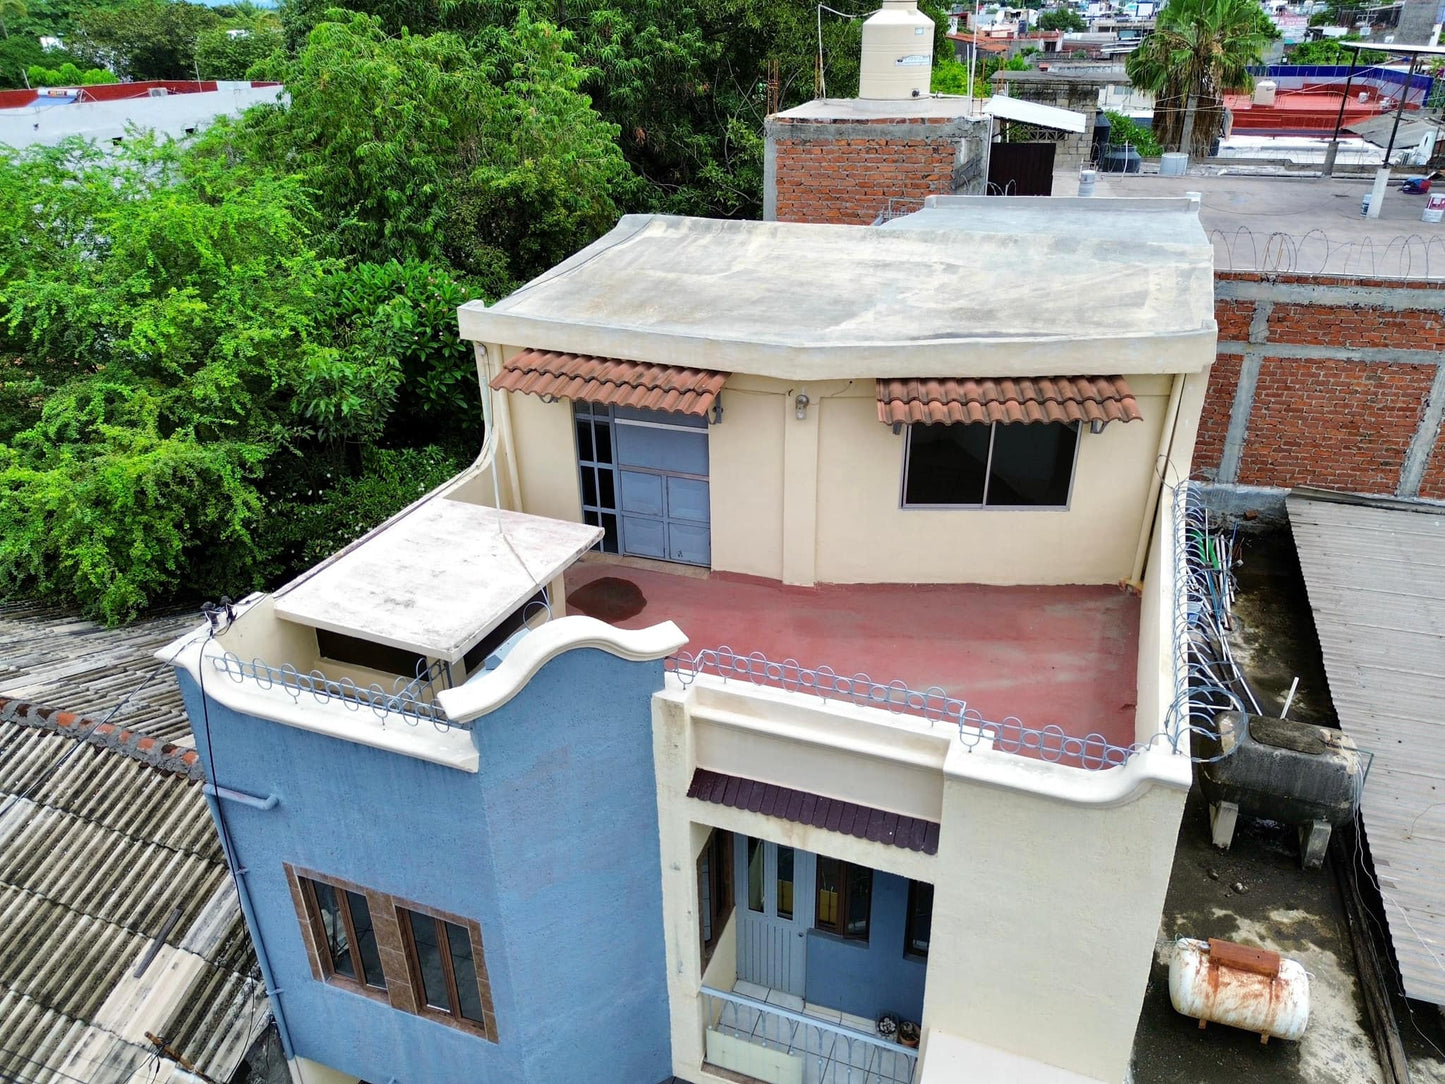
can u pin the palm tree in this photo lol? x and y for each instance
(1199, 50)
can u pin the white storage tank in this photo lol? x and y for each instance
(897, 52)
(1264, 92)
(1251, 989)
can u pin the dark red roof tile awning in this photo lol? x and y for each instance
(1094, 399)
(802, 807)
(611, 381)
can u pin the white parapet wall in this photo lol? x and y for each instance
(174, 115)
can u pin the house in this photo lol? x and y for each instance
(123, 953)
(803, 648)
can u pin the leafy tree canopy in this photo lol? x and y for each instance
(1066, 19)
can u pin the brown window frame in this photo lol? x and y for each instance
(845, 872)
(911, 916)
(400, 969)
(487, 1026)
(718, 850)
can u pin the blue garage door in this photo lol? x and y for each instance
(658, 487)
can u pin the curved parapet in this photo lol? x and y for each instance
(489, 691)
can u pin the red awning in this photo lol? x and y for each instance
(611, 381)
(1093, 399)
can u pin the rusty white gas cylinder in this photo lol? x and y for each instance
(1247, 988)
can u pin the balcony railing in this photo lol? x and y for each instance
(410, 701)
(780, 1046)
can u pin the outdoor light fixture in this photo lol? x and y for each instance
(800, 405)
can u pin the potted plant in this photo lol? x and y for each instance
(888, 1026)
(908, 1033)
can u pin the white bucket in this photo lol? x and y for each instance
(1173, 164)
(1434, 209)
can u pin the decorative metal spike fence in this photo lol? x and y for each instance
(410, 701)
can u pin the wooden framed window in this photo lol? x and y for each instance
(343, 932)
(714, 889)
(416, 959)
(919, 923)
(448, 972)
(845, 898)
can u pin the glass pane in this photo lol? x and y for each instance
(860, 898)
(704, 892)
(589, 486)
(755, 875)
(1032, 465)
(603, 436)
(785, 882)
(920, 917)
(606, 492)
(584, 440)
(429, 959)
(946, 464)
(464, 971)
(610, 543)
(827, 893)
(334, 929)
(365, 941)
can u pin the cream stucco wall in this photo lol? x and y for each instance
(818, 499)
(1048, 881)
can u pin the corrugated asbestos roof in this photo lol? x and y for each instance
(50, 657)
(1375, 572)
(611, 381)
(1100, 399)
(802, 807)
(103, 837)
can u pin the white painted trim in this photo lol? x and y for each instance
(486, 693)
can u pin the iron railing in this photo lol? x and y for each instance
(829, 1052)
(1051, 743)
(411, 701)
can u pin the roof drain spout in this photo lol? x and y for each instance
(229, 795)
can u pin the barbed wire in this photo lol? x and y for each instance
(1405, 256)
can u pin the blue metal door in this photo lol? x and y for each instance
(662, 468)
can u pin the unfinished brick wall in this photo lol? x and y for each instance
(850, 181)
(1326, 381)
(843, 161)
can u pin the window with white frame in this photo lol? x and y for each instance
(990, 465)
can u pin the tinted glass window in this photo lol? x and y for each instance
(755, 875)
(429, 959)
(337, 945)
(785, 882)
(365, 940)
(946, 464)
(1032, 465)
(860, 900)
(465, 971)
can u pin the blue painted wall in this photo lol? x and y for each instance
(873, 978)
(553, 848)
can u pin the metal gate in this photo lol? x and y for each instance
(644, 480)
(774, 905)
(1021, 169)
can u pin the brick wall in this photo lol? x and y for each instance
(1326, 381)
(850, 181)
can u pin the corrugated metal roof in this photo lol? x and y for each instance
(802, 807)
(611, 381)
(1091, 399)
(99, 847)
(1375, 571)
(48, 656)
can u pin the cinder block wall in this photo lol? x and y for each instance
(845, 171)
(1334, 382)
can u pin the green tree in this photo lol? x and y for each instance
(10, 11)
(230, 52)
(1329, 51)
(143, 39)
(1066, 19)
(1199, 50)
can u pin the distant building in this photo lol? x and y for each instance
(526, 784)
(106, 113)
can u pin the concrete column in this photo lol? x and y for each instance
(1377, 193)
(800, 485)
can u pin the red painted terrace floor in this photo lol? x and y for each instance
(1048, 655)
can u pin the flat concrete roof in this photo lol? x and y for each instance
(1001, 286)
(436, 579)
(945, 107)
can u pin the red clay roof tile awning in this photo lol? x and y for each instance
(1094, 399)
(803, 807)
(611, 381)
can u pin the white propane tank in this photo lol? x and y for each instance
(897, 52)
(1264, 92)
(1247, 988)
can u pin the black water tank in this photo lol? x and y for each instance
(1121, 159)
(1100, 141)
